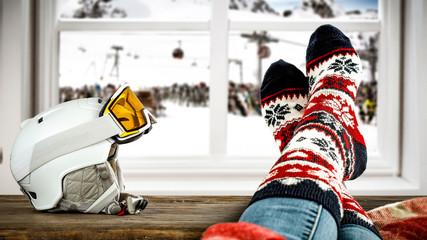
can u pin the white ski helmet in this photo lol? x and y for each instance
(65, 158)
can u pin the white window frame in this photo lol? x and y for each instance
(217, 173)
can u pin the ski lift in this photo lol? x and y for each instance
(115, 69)
(264, 51)
(178, 53)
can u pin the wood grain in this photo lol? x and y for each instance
(166, 217)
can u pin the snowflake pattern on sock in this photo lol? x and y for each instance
(343, 65)
(275, 114)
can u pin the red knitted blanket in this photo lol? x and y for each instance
(402, 220)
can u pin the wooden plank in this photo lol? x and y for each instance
(166, 217)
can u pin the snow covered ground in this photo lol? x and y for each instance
(184, 132)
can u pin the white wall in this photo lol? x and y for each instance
(13, 70)
(414, 128)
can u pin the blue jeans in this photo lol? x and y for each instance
(295, 218)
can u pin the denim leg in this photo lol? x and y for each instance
(354, 232)
(293, 218)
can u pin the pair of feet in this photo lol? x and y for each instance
(333, 75)
(313, 121)
(314, 124)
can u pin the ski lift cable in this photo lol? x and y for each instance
(293, 42)
(263, 38)
(105, 64)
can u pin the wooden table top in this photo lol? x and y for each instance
(166, 217)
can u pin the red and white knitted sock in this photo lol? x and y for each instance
(327, 147)
(277, 94)
(283, 94)
(334, 72)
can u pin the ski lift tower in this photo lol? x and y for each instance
(116, 61)
(371, 55)
(260, 39)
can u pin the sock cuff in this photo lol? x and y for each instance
(307, 189)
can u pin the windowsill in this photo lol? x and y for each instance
(238, 176)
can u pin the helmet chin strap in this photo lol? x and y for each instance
(128, 204)
(132, 204)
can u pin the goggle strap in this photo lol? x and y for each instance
(152, 118)
(73, 139)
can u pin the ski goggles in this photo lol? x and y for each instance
(128, 112)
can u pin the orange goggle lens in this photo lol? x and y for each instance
(127, 109)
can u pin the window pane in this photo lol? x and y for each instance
(164, 69)
(247, 132)
(303, 9)
(143, 9)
